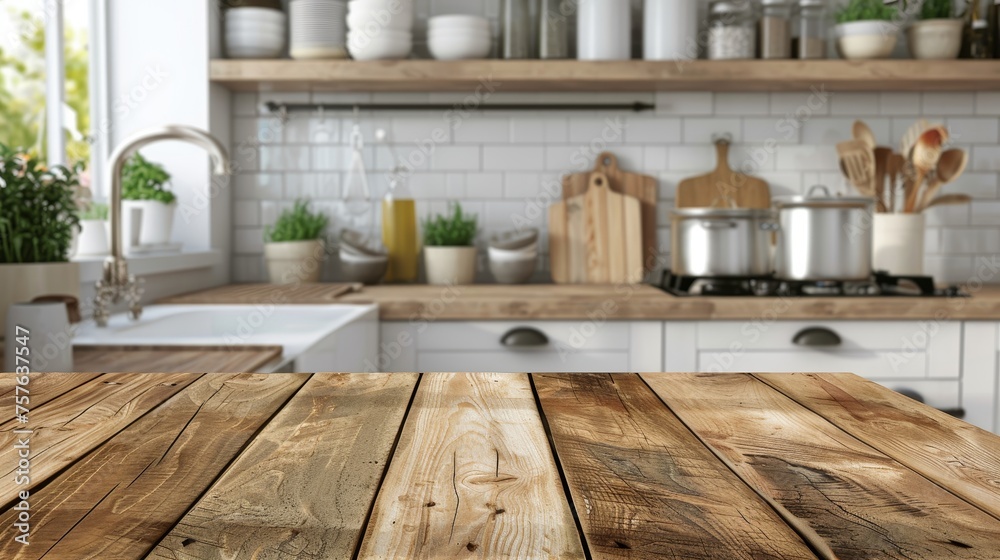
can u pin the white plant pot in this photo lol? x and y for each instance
(294, 261)
(157, 222)
(93, 239)
(450, 265)
(898, 243)
(935, 39)
(24, 282)
(866, 40)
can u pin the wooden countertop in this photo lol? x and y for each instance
(171, 359)
(485, 465)
(570, 302)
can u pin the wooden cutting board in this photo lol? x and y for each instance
(642, 187)
(722, 186)
(567, 243)
(613, 242)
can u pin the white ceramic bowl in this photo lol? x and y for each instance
(447, 48)
(255, 27)
(459, 20)
(369, 22)
(382, 35)
(935, 39)
(262, 15)
(513, 272)
(317, 52)
(254, 40)
(366, 48)
(866, 40)
(393, 13)
(502, 255)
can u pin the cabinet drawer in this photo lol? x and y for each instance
(485, 335)
(854, 335)
(869, 364)
(524, 361)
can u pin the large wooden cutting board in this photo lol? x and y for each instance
(567, 249)
(723, 187)
(641, 187)
(611, 239)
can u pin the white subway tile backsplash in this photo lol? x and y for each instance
(974, 130)
(506, 166)
(950, 103)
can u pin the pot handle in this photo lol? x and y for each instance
(718, 224)
(814, 188)
(817, 336)
(520, 337)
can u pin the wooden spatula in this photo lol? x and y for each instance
(723, 185)
(859, 165)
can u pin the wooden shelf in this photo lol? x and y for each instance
(634, 75)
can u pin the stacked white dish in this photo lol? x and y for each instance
(380, 29)
(459, 37)
(513, 256)
(318, 29)
(255, 33)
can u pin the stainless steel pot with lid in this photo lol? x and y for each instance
(824, 237)
(721, 242)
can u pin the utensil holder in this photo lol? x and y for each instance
(898, 243)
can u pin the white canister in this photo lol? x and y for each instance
(604, 30)
(92, 241)
(38, 337)
(669, 30)
(898, 243)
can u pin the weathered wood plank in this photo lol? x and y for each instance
(70, 426)
(864, 504)
(303, 487)
(120, 500)
(175, 359)
(472, 476)
(644, 486)
(956, 455)
(42, 387)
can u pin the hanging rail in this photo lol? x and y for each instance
(636, 107)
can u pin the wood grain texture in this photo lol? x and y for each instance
(175, 359)
(723, 187)
(861, 502)
(643, 485)
(118, 501)
(558, 242)
(596, 229)
(70, 426)
(302, 489)
(472, 476)
(957, 456)
(42, 387)
(568, 301)
(266, 293)
(642, 187)
(631, 75)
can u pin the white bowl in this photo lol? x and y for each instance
(347, 256)
(866, 40)
(501, 255)
(447, 48)
(365, 48)
(400, 22)
(314, 52)
(935, 39)
(255, 27)
(382, 35)
(460, 20)
(254, 40)
(263, 15)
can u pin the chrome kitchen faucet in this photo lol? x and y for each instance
(116, 283)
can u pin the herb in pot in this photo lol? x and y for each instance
(297, 224)
(459, 230)
(145, 180)
(936, 9)
(865, 10)
(38, 211)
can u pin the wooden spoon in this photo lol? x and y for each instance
(950, 167)
(863, 133)
(882, 157)
(910, 138)
(949, 199)
(926, 153)
(895, 168)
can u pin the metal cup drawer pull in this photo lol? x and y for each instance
(522, 337)
(817, 336)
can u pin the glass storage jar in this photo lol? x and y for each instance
(810, 39)
(731, 30)
(774, 29)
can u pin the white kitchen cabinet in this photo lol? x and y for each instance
(537, 346)
(980, 385)
(922, 356)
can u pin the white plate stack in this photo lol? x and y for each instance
(255, 33)
(380, 29)
(317, 29)
(458, 37)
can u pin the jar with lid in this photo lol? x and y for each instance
(810, 39)
(731, 30)
(774, 29)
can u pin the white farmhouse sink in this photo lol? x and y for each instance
(313, 337)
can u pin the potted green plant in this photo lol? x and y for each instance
(938, 33)
(449, 256)
(92, 241)
(293, 247)
(865, 30)
(38, 215)
(144, 190)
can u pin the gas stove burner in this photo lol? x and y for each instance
(880, 284)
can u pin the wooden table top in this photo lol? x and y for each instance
(486, 465)
(581, 301)
(173, 359)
